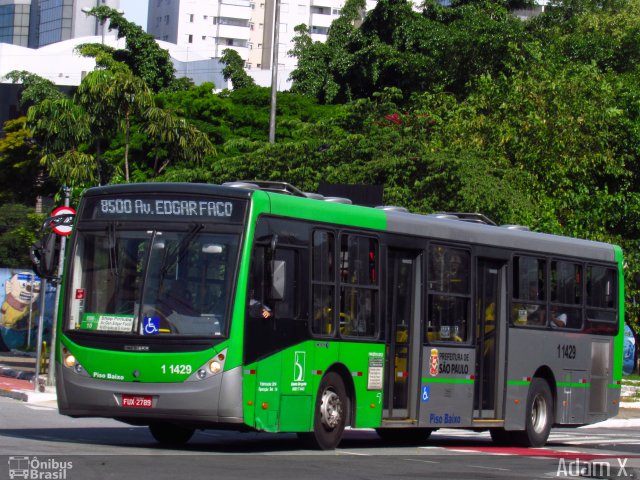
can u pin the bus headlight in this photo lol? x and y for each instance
(215, 367)
(69, 360)
(211, 368)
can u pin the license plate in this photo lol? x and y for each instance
(137, 401)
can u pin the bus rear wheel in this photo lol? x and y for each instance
(330, 415)
(539, 416)
(170, 434)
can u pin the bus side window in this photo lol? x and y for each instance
(529, 287)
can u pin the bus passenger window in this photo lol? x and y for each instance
(529, 301)
(566, 295)
(602, 312)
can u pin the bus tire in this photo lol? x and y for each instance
(500, 436)
(539, 416)
(408, 436)
(170, 434)
(330, 414)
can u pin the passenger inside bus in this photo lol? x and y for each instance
(558, 319)
(257, 309)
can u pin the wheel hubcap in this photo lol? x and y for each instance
(539, 414)
(331, 409)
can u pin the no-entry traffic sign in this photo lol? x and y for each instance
(63, 228)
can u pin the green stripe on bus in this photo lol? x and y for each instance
(459, 381)
(518, 383)
(618, 341)
(574, 384)
(614, 385)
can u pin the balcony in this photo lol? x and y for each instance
(235, 11)
(230, 31)
(320, 20)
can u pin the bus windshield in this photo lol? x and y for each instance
(152, 282)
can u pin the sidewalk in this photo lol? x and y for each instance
(24, 390)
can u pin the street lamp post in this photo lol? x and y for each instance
(274, 73)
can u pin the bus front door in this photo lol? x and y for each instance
(403, 320)
(490, 334)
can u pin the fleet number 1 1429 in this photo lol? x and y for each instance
(181, 369)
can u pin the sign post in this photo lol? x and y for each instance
(63, 231)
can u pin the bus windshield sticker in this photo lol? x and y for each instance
(151, 325)
(169, 207)
(433, 364)
(107, 323)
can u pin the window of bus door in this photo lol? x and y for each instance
(359, 286)
(323, 282)
(186, 283)
(449, 295)
(529, 286)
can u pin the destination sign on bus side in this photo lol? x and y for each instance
(167, 208)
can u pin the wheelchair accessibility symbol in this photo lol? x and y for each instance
(151, 325)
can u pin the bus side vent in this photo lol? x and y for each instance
(277, 187)
(315, 196)
(247, 185)
(337, 200)
(465, 217)
(392, 208)
(516, 227)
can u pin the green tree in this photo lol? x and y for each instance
(21, 176)
(142, 54)
(61, 127)
(234, 69)
(34, 89)
(19, 229)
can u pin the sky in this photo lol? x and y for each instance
(135, 11)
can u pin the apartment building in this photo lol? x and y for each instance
(36, 23)
(246, 26)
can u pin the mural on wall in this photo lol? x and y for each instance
(20, 312)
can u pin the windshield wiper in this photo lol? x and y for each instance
(113, 249)
(178, 253)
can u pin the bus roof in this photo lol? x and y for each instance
(441, 227)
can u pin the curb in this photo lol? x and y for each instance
(15, 394)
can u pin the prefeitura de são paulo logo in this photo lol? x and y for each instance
(38, 469)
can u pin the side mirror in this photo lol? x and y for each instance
(43, 256)
(278, 280)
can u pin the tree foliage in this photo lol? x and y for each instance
(462, 107)
(234, 69)
(142, 54)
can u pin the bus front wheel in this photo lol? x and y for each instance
(539, 416)
(170, 434)
(330, 414)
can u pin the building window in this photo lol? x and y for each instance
(166, 19)
(191, 17)
(189, 38)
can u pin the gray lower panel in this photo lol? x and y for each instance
(214, 400)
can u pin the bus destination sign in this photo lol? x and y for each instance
(167, 208)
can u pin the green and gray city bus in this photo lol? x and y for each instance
(255, 306)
